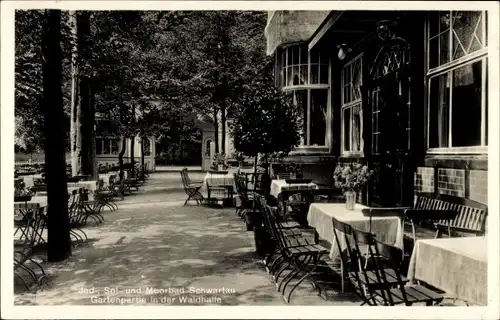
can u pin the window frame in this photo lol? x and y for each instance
(106, 141)
(448, 68)
(351, 105)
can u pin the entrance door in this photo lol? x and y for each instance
(390, 103)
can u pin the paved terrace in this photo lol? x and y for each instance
(152, 241)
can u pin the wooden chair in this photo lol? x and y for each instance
(302, 259)
(192, 189)
(390, 257)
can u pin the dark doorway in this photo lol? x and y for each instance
(389, 101)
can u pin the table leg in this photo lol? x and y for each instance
(316, 237)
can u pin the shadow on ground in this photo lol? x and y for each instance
(154, 248)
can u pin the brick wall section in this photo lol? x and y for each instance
(479, 186)
(451, 181)
(291, 26)
(424, 180)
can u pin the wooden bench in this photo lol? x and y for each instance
(469, 216)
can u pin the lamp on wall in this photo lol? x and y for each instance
(344, 50)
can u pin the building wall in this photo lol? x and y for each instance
(149, 161)
(291, 26)
(471, 184)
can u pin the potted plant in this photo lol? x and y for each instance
(238, 156)
(351, 178)
(219, 162)
(293, 169)
(264, 122)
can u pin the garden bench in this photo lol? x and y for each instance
(455, 216)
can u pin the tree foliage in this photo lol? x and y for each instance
(266, 121)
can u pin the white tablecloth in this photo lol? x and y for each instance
(35, 202)
(29, 181)
(216, 179)
(278, 186)
(90, 185)
(458, 266)
(106, 177)
(44, 193)
(387, 229)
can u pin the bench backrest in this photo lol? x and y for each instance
(471, 217)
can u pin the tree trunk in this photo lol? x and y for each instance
(59, 242)
(120, 157)
(87, 122)
(216, 129)
(223, 129)
(142, 158)
(75, 137)
(132, 142)
(132, 155)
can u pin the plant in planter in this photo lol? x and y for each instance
(240, 157)
(219, 162)
(265, 122)
(293, 169)
(351, 178)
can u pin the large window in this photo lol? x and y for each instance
(294, 65)
(298, 67)
(313, 106)
(457, 78)
(305, 76)
(351, 77)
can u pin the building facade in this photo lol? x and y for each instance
(404, 92)
(108, 146)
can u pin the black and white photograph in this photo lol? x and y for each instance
(250, 154)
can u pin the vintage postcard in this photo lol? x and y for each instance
(250, 159)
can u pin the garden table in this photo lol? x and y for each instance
(388, 229)
(89, 185)
(29, 181)
(70, 190)
(278, 186)
(217, 180)
(106, 177)
(458, 266)
(35, 203)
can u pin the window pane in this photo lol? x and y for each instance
(319, 100)
(114, 146)
(439, 104)
(434, 52)
(98, 146)
(444, 48)
(434, 23)
(467, 32)
(466, 105)
(300, 100)
(323, 73)
(106, 146)
(314, 73)
(289, 56)
(303, 73)
(346, 120)
(295, 55)
(356, 128)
